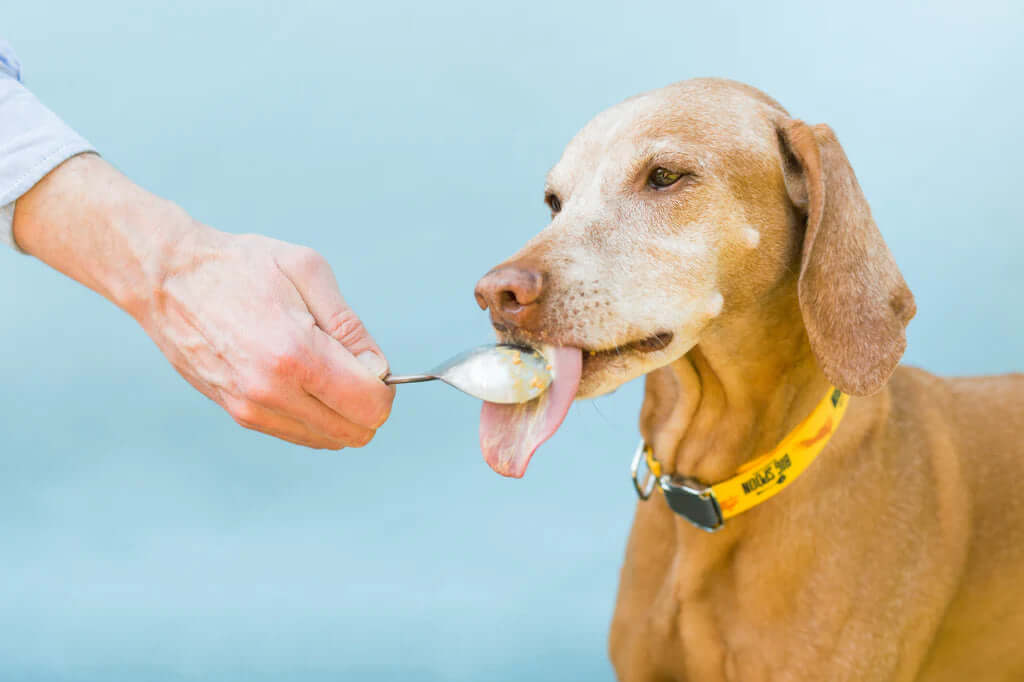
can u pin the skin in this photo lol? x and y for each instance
(255, 324)
(897, 555)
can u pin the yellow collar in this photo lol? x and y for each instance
(708, 506)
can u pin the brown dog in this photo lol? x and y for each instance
(703, 237)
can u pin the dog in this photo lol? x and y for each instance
(704, 238)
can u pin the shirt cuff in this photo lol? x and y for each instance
(33, 141)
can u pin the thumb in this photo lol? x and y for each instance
(315, 282)
(344, 326)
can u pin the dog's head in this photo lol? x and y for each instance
(670, 212)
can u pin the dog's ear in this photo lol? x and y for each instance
(854, 302)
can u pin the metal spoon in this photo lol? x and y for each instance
(495, 374)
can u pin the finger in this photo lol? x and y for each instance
(344, 385)
(265, 420)
(322, 419)
(293, 402)
(252, 416)
(314, 280)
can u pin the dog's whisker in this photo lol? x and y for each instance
(603, 415)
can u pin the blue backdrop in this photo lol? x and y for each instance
(144, 536)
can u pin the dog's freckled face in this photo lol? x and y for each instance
(660, 207)
(650, 216)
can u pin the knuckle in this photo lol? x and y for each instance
(245, 424)
(314, 381)
(362, 438)
(344, 327)
(288, 359)
(283, 362)
(245, 414)
(371, 412)
(344, 433)
(308, 260)
(258, 390)
(380, 413)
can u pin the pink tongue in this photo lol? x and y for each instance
(510, 434)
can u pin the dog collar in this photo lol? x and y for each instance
(709, 506)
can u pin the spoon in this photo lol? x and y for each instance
(495, 374)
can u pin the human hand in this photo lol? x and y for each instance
(255, 324)
(260, 327)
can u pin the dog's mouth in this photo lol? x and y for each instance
(650, 344)
(510, 434)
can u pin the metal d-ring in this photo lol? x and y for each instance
(687, 497)
(643, 491)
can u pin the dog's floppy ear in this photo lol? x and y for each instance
(854, 302)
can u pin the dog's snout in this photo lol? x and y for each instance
(511, 293)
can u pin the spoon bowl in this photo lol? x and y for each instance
(495, 374)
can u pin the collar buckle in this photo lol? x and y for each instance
(687, 497)
(694, 501)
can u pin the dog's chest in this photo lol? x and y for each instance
(690, 632)
(684, 614)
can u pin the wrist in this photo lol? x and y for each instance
(163, 240)
(96, 226)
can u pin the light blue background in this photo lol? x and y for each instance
(144, 536)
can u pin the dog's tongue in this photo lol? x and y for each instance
(509, 434)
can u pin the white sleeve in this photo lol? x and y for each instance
(33, 140)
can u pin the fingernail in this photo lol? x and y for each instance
(374, 363)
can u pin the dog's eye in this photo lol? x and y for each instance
(553, 202)
(663, 177)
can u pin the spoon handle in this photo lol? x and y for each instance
(407, 378)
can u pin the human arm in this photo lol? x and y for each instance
(255, 324)
(33, 140)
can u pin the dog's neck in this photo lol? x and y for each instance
(749, 382)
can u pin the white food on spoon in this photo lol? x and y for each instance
(510, 434)
(504, 374)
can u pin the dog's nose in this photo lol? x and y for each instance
(511, 292)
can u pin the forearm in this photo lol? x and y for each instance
(90, 222)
